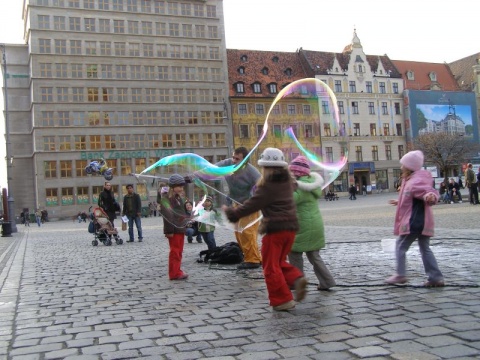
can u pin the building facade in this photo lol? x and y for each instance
(129, 81)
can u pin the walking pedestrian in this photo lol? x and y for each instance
(471, 183)
(414, 219)
(240, 185)
(310, 238)
(352, 191)
(132, 209)
(174, 221)
(274, 197)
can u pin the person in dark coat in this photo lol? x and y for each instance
(106, 200)
(352, 191)
(132, 208)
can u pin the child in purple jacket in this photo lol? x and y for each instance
(414, 219)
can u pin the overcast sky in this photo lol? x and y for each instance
(415, 30)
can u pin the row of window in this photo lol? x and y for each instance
(272, 88)
(105, 48)
(132, 141)
(136, 118)
(143, 6)
(131, 27)
(129, 72)
(126, 95)
(292, 109)
(374, 149)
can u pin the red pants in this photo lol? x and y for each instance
(175, 256)
(280, 276)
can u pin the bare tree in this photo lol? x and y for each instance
(446, 151)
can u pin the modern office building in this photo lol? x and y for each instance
(129, 81)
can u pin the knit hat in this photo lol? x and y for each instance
(299, 166)
(176, 180)
(209, 198)
(272, 157)
(412, 160)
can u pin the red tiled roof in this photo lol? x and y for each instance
(462, 70)
(255, 62)
(421, 70)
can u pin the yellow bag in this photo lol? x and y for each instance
(124, 226)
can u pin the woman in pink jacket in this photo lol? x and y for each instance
(414, 219)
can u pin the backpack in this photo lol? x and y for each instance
(230, 253)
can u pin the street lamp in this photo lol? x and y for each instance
(10, 201)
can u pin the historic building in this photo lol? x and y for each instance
(129, 81)
(368, 90)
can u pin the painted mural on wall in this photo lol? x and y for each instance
(440, 111)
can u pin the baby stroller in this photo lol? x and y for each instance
(103, 229)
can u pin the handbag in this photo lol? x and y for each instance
(124, 226)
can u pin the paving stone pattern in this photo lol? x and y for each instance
(62, 298)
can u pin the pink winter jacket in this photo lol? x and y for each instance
(414, 215)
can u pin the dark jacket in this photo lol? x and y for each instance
(106, 201)
(175, 217)
(275, 199)
(135, 209)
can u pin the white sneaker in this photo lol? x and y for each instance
(460, 202)
(451, 202)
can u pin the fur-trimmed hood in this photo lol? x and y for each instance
(310, 182)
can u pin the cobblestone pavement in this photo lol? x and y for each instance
(62, 298)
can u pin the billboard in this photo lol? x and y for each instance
(429, 111)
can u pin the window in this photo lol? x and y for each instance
(134, 49)
(137, 95)
(139, 143)
(95, 142)
(214, 53)
(375, 153)
(308, 131)
(167, 140)
(243, 130)
(82, 195)
(59, 23)
(410, 75)
(78, 118)
(371, 108)
(63, 118)
(61, 70)
(62, 94)
(352, 86)
(181, 140)
(373, 129)
(341, 108)
(239, 87)
(399, 130)
(177, 95)
(191, 95)
(74, 23)
(204, 95)
(61, 47)
(65, 142)
(291, 109)
(124, 141)
(119, 26)
(272, 88)
(89, 24)
(388, 152)
(51, 197)
(386, 129)
(163, 95)
(77, 71)
(190, 73)
(152, 141)
(47, 118)
(358, 153)
(213, 32)
(149, 71)
(356, 129)
(192, 118)
(382, 87)
(338, 86)
(194, 140)
(150, 95)
(122, 95)
(133, 27)
(45, 70)
(107, 72)
(75, 47)
(89, 4)
(151, 118)
(186, 9)
(201, 52)
(93, 118)
(103, 4)
(369, 87)
(137, 117)
(80, 166)
(174, 29)
(179, 117)
(198, 10)
(397, 108)
(217, 95)
(161, 28)
(211, 11)
(355, 107)
(259, 130)
(121, 71)
(90, 47)
(118, 5)
(92, 71)
(220, 139)
(175, 51)
(107, 94)
(66, 168)
(327, 130)
(395, 88)
(46, 94)
(432, 76)
(200, 31)
(147, 28)
(135, 72)
(109, 118)
(49, 143)
(307, 110)
(242, 109)
(43, 22)
(259, 109)
(187, 30)
(384, 108)
(329, 154)
(216, 74)
(50, 168)
(277, 130)
(162, 72)
(401, 151)
(132, 5)
(325, 107)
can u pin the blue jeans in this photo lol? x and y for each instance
(138, 224)
(191, 232)
(429, 261)
(209, 239)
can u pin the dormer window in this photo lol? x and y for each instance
(265, 71)
(288, 72)
(239, 87)
(241, 70)
(380, 72)
(275, 59)
(432, 76)
(410, 75)
(272, 88)
(257, 88)
(243, 58)
(360, 69)
(336, 69)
